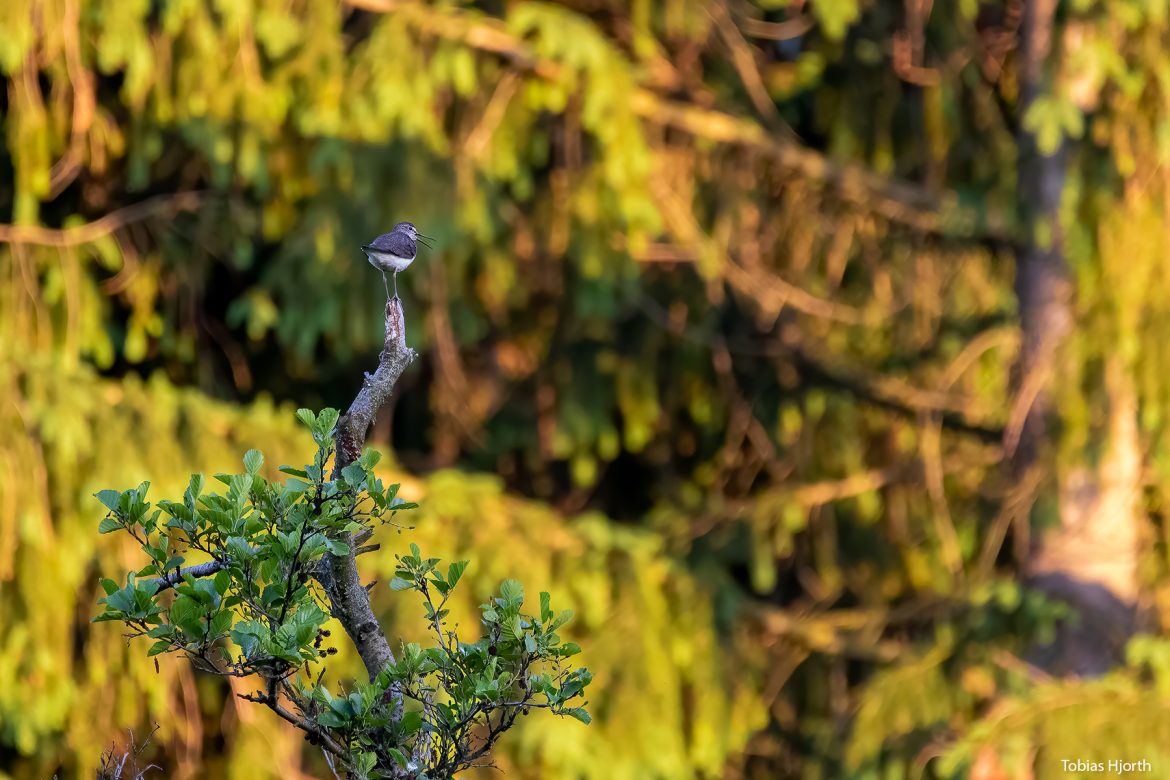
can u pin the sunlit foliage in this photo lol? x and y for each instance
(730, 286)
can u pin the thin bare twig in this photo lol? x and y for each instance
(743, 57)
(768, 290)
(91, 231)
(493, 114)
(930, 433)
(304, 724)
(777, 31)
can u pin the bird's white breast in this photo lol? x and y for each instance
(387, 261)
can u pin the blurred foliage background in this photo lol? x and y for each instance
(814, 351)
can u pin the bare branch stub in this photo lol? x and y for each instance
(353, 426)
(339, 574)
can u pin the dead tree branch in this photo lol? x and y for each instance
(339, 574)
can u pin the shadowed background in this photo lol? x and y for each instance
(813, 351)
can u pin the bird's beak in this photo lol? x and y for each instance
(423, 235)
(424, 243)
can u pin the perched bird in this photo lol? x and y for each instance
(395, 251)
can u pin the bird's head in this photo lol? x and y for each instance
(412, 232)
(408, 228)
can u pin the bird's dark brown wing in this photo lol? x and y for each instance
(398, 244)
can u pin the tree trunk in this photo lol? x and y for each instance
(1088, 560)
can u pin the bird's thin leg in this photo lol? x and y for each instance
(387, 286)
(395, 284)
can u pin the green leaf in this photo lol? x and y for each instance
(185, 612)
(398, 583)
(338, 548)
(121, 600)
(398, 756)
(546, 612)
(221, 623)
(580, 714)
(571, 688)
(455, 572)
(313, 545)
(294, 472)
(253, 460)
(273, 594)
(296, 486)
(109, 498)
(325, 422)
(366, 762)
(562, 618)
(180, 512)
(194, 488)
(108, 524)
(249, 635)
(160, 646)
(330, 720)
(354, 474)
(222, 581)
(239, 548)
(513, 592)
(411, 722)
(148, 588)
(307, 417)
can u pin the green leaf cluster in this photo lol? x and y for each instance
(254, 610)
(262, 537)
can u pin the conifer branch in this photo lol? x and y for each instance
(899, 201)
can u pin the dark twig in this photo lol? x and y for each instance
(327, 742)
(113, 767)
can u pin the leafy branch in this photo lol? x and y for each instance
(276, 559)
